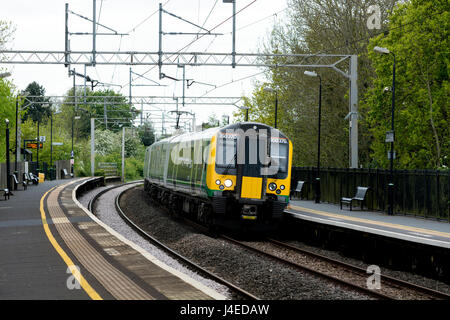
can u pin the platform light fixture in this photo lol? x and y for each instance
(391, 134)
(318, 193)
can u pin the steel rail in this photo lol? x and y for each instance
(177, 255)
(359, 270)
(312, 271)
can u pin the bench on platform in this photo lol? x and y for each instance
(360, 196)
(6, 193)
(298, 189)
(64, 173)
(33, 178)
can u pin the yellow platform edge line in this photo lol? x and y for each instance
(84, 284)
(379, 223)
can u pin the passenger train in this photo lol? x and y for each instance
(229, 176)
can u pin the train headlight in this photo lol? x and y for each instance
(272, 186)
(282, 187)
(218, 182)
(228, 183)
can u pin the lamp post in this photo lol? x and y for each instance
(267, 89)
(4, 75)
(37, 149)
(8, 169)
(318, 194)
(51, 137)
(391, 135)
(246, 111)
(71, 152)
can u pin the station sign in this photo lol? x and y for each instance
(57, 143)
(33, 145)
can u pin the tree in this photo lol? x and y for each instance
(37, 106)
(7, 111)
(211, 123)
(7, 99)
(118, 112)
(419, 37)
(317, 26)
(147, 134)
(6, 33)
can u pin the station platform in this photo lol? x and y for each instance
(408, 228)
(53, 248)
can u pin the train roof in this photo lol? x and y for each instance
(210, 132)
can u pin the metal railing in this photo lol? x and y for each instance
(424, 193)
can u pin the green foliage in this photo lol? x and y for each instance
(6, 33)
(147, 134)
(211, 123)
(316, 26)
(7, 111)
(96, 102)
(419, 38)
(36, 107)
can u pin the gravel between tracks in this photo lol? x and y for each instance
(104, 209)
(260, 276)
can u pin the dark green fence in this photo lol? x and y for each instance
(417, 192)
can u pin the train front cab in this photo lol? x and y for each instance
(241, 190)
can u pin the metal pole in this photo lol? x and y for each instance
(234, 35)
(129, 90)
(354, 110)
(66, 51)
(94, 31)
(105, 113)
(51, 140)
(246, 115)
(71, 153)
(92, 146)
(391, 184)
(276, 107)
(160, 42)
(142, 112)
(38, 145)
(74, 90)
(318, 194)
(123, 154)
(84, 85)
(178, 117)
(162, 124)
(184, 80)
(17, 142)
(8, 169)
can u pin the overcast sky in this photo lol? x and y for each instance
(40, 26)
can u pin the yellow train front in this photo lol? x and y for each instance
(233, 176)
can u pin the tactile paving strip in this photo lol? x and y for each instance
(115, 282)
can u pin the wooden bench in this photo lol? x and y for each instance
(299, 188)
(359, 196)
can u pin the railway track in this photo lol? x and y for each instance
(393, 283)
(241, 292)
(341, 273)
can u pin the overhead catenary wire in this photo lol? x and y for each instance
(146, 19)
(198, 38)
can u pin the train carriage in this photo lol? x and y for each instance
(229, 176)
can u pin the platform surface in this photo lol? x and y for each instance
(407, 228)
(53, 248)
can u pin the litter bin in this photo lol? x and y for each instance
(41, 177)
